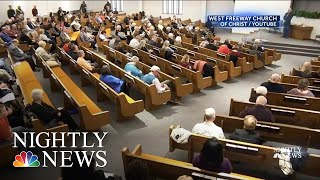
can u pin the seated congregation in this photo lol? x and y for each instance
(163, 60)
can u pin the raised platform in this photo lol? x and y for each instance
(309, 48)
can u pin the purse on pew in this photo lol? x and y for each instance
(52, 63)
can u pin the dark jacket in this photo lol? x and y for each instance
(287, 19)
(260, 112)
(212, 47)
(16, 53)
(246, 135)
(11, 13)
(273, 87)
(44, 112)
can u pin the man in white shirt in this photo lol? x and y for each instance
(135, 42)
(208, 128)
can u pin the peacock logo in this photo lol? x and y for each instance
(26, 159)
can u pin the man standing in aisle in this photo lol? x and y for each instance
(35, 11)
(287, 23)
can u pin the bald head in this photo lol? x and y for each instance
(261, 100)
(275, 78)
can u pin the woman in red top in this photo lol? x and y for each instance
(185, 61)
(224, 49)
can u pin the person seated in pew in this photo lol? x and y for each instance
(247, 133)
(171, 38)
(74, 51)
(138, 170)
(153, 40)
(168, 51)
(185, 61)
(142, 46)
(211, 157)
(118, 45)
(305, 71)
(224, 49)
(40, 51)
(205, 42)
(273, 85)
(259, 111)
(207, 127)
(131, 67)
(135, 41)
(4, 36)
(152, 78)
(260, 91)
(43, 36)
(6, 130)
(178, 41)
(212, 46)
(115, 83)
(259, 42)
(205, 68)
(18, 55)
(47, 114)
(67, 46)
(185, 177)
(92, 67)
(302, 89)
(254, 51)
(103, 36)
(159, 42)
(75, 25)
(85, 36)
(235, 51)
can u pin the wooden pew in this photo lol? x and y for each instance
(315, 90)
(315, 62)
(219, 76)
(181, 89)
(276, 132)
(126, 107)
(169, 169)
(173, 69)
(27, 81)
(246, 65)
(293, 101)
(295, 79)
(153, 99)
(229, 66)
(268, 56)
(284, 115)
(91, 116)
(242, 152)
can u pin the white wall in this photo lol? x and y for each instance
(194, 10)
(260, 7)
(215, 7)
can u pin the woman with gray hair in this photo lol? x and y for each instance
(47, 114)
(131, 67)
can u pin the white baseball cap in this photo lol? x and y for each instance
(154, 68)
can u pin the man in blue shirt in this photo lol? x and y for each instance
(131, 67)
(4, 36)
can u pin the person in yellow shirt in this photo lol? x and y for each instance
(92, 67)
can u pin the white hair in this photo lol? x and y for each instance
(261, 100)
(170, 35)
(210, 113)
(178, 39)
(262, 90)
(42, 44)
(36, 94)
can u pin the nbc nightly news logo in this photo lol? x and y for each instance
(57, 140)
